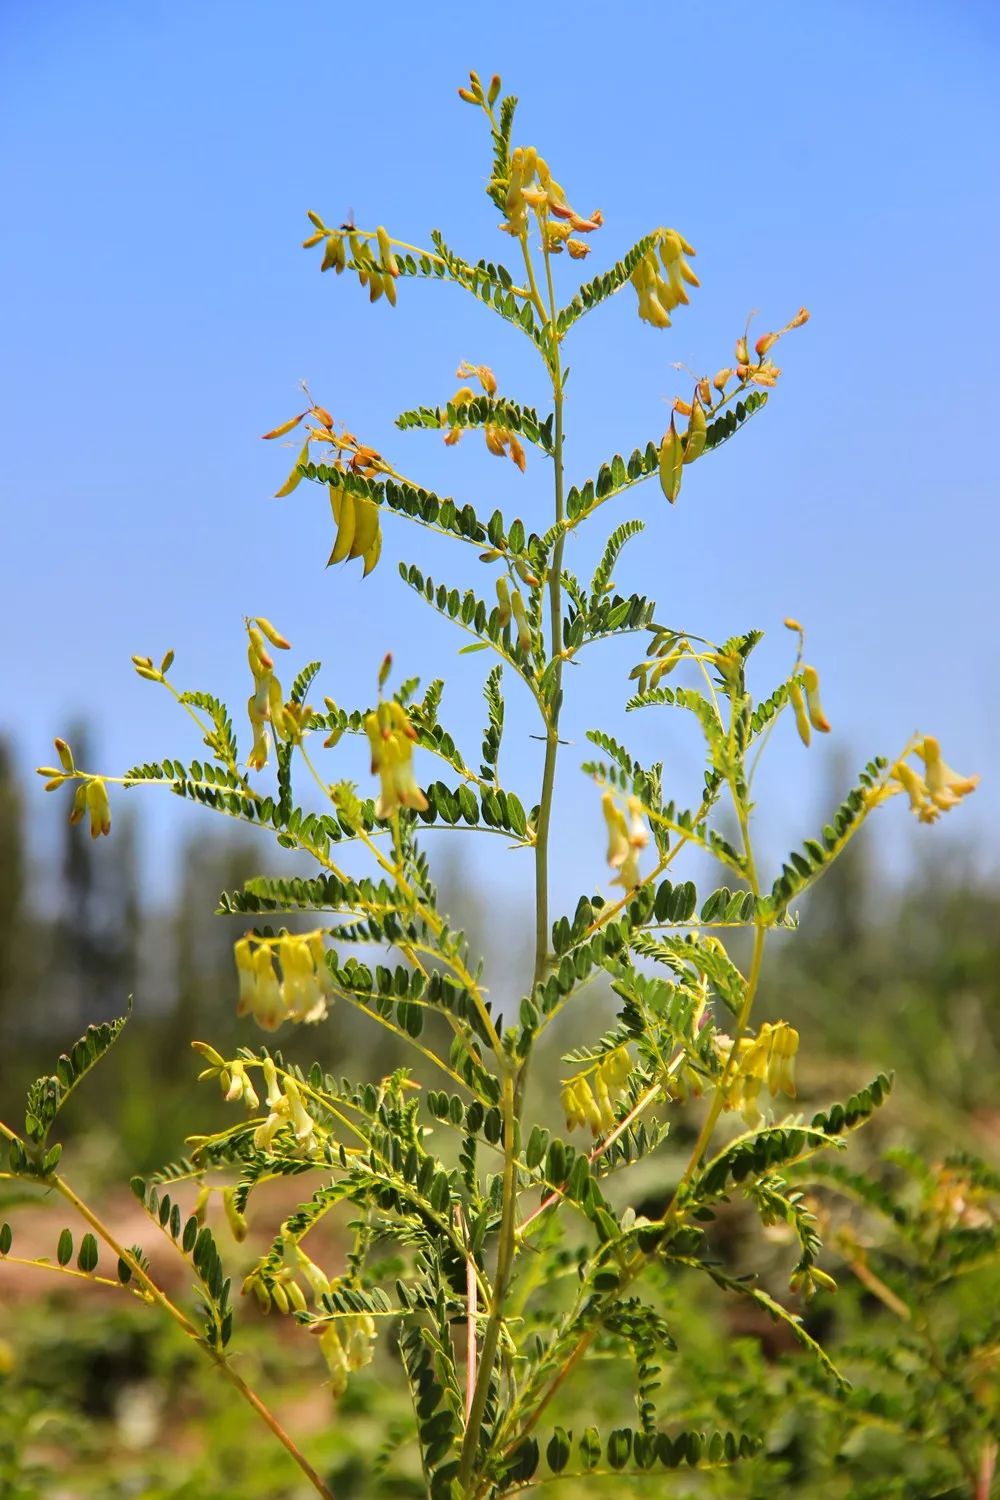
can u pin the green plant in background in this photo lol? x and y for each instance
(493, 1255)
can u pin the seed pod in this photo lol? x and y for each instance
(671, 461)
(694, 445)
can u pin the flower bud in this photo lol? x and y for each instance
(494, 89)
(721, 379)
(521, 621)
(503, 602)
(274, 636)
(799, 708)
(742, 351)
(764, 343)
(65, 755)
(817, 717)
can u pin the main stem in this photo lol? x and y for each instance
(513, 1073)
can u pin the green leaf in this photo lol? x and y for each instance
(64, 1250)
(47, 1095)
(87, 1258)
(480, 412)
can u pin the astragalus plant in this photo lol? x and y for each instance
(488, 1254)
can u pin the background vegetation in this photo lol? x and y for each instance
(903, 974)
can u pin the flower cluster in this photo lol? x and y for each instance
(300, 991)
(348, 1344)
(586, 1098)
(91, 794)
(767, 1058)
(625, 838)
(806, 705)
(936, 791)
(391, 737)
(371, 256)
(660, 291)
(279, 1287)
(359, 533)
(500, 441)
(266, 703)
(531, 185)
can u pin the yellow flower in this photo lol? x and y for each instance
(937, 791)
(625, 839)
(945, 787)
(391, 736)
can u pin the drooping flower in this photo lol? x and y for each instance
(625, 839)
(391, 737)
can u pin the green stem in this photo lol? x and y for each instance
(513, 1074)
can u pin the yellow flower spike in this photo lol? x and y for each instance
(945, 787)
(799, 709)
(671, 459)
(99, 807)
(521, 621)
(697, 433)
(817, 717)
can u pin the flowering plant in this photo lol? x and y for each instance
(514, 1250)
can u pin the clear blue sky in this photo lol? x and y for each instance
(158, 314)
